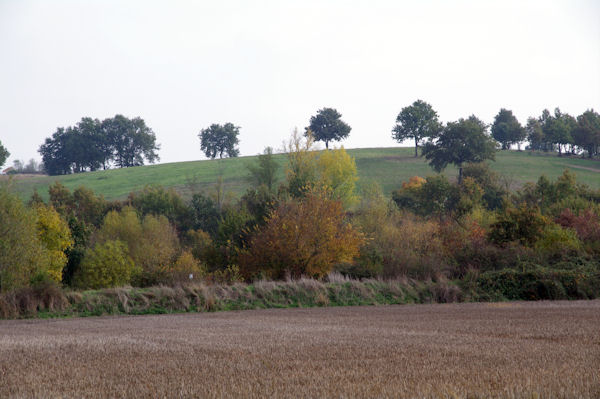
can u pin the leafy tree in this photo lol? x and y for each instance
(460, 142)
(302, 237)
(264, 171)
(522, 224)
(327, 126)
(417, 122)
(507, 130)
(535, 135)
(301, 171)
(156, 200)
(558, 128)
(55, 235)
(218, 140)
(108, 264)
(337, 172)
(132, 141)
(205, 214)
(92, 144)
(4, 154)
(586, 134)
(22, 254)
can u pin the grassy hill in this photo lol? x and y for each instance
(387, 166)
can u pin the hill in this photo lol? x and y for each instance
(387, 166)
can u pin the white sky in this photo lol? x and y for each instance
(267, 66)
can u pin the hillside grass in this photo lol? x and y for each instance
(387, 166)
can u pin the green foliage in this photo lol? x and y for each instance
(535, 135)
(301, 171)
(337, 172)
(156, 200)
(4, 154)
(220, 139)
(435, 196)
(459, 143)
(586, 134)
(108, 264)
(92, 144)
(507, 130)
(205, 214)
(264, 171)
(557, 128)
(417, 122)
(523, 224)
(558, 242)
(327, 126)
(22, 255)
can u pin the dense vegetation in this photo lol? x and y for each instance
(541, 241)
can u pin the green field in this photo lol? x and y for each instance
(387, 166)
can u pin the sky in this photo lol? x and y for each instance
(267, 66)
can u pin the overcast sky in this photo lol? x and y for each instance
(267, 66)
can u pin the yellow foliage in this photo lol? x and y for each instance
(413, 183)
(55, 236)
(337, 171)
(302, 237)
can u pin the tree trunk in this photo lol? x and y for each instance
(326, 144)
(460, 174)
(416, 148)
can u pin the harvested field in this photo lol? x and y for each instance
(507, 350)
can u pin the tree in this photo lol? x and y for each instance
(218, 140)
(507, 130)
(92, 144)
(106, 265)
(417, 122)
(459, 143)
(327, 126)
(4, 154)
(264, 171)
(535, 134)
(301, 237)
(587, 133)
(131, 140)
(337, 172)
(557, 128)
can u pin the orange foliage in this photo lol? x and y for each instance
(301, 237)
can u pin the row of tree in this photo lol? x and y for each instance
(549, 132)
(93, 144)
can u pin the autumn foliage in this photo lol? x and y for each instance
(302, 237)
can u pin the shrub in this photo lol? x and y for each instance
(523, 224)
(108, 264)
(55, 235)
(302, 237)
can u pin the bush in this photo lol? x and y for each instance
(106, 265)
(302, 237)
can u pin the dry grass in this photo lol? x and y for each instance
(515, 350)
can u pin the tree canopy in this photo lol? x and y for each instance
(220, 139)
(93, 144)
(587, 132)
(327, 126)
(417, 122)
(4, 154)
(507, 130)
(460, 142)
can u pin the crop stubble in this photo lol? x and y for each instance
(512, 350)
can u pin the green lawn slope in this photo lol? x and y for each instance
(387, 166)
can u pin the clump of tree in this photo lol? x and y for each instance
(31, 167)
(327, 125)
(93, 144)
(220, 140)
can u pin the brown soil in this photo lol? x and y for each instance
(506, 350)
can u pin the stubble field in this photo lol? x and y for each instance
(506, 350)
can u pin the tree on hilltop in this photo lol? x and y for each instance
(220, 139)
(327, 126)
(417, 122)
(507, 130)
(464, 141)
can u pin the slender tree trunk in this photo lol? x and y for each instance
(460, 174)
(416, 148)
(326, 144)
